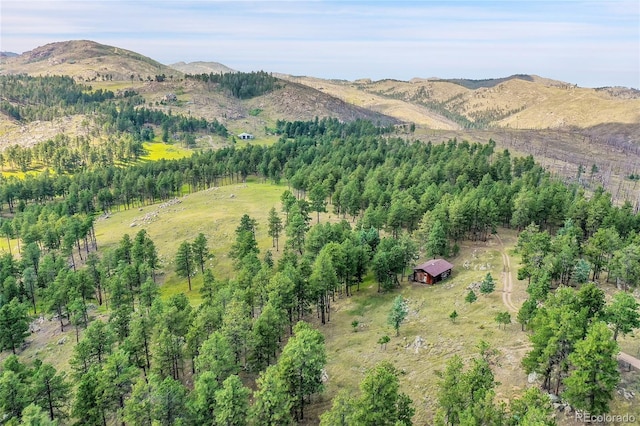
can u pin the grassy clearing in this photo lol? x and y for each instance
(350, 353)
(34, 170)
(159, 150)
(215, 212)
(155, 151)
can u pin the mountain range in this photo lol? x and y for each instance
(562, 124)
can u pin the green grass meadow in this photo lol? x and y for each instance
(159, 151)
(215, 212)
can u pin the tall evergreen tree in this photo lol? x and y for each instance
(14, 394)
(200, 251)
(595, 373)
(115, 381)
(138, 409)
(185, 263)
(232, 403)
(623, 314)
(14, 325)
(88, 406)
(272, 400)
(217, 357)
(51, 390)
(301, 363)
(341, 412)
(318, 196)
(169, 398)
(275, 227)
(381, 402)
(437, 244)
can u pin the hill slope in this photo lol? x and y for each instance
(85, 60)
(200, 67)
(115, 69)
(520, 101)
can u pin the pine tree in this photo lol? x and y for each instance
(381, 402)
(450, 393)
(341, 413)
(437, 241)
(138, 408)
(217, 357)
(622, 314)
(301, 363)
(527, 312)
(273, 402)
(322, 282)
(51, 390)
(208, 289)
(488, 285)
(14, 325)
(471, 297)
(185, 264)
(595, 373)
(14, 394)
(200, 251)
(236, 327)
(170, 398)
(232, 403)
(398, 313)
(317, 196)
(275, 227)
(202, 401)
(93, 348)
(266, 333)
(87, 405)
(115, 381)
(503, 318)
(33, 415)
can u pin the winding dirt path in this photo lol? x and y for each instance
(507, 288)
(507, 278)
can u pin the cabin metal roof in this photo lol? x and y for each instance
(434, 267)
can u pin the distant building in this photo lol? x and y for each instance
(245, 136)
(169, 97)
(432, 271)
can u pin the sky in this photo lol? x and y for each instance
(588, 43)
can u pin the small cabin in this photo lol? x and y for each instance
(432, 271)
(245, 136)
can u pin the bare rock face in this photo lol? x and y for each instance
(418, 343)
(324, 376)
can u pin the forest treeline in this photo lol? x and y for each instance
(241, 85)
(120, 122)
(396, 198)
(27, 98)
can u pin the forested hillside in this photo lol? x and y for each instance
(252, 352)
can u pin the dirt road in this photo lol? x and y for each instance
(507, 278)
(507, 288)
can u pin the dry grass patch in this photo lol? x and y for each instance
(350, 353)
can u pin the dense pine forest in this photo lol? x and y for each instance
(253, 351)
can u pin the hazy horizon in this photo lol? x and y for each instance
(592, 44)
